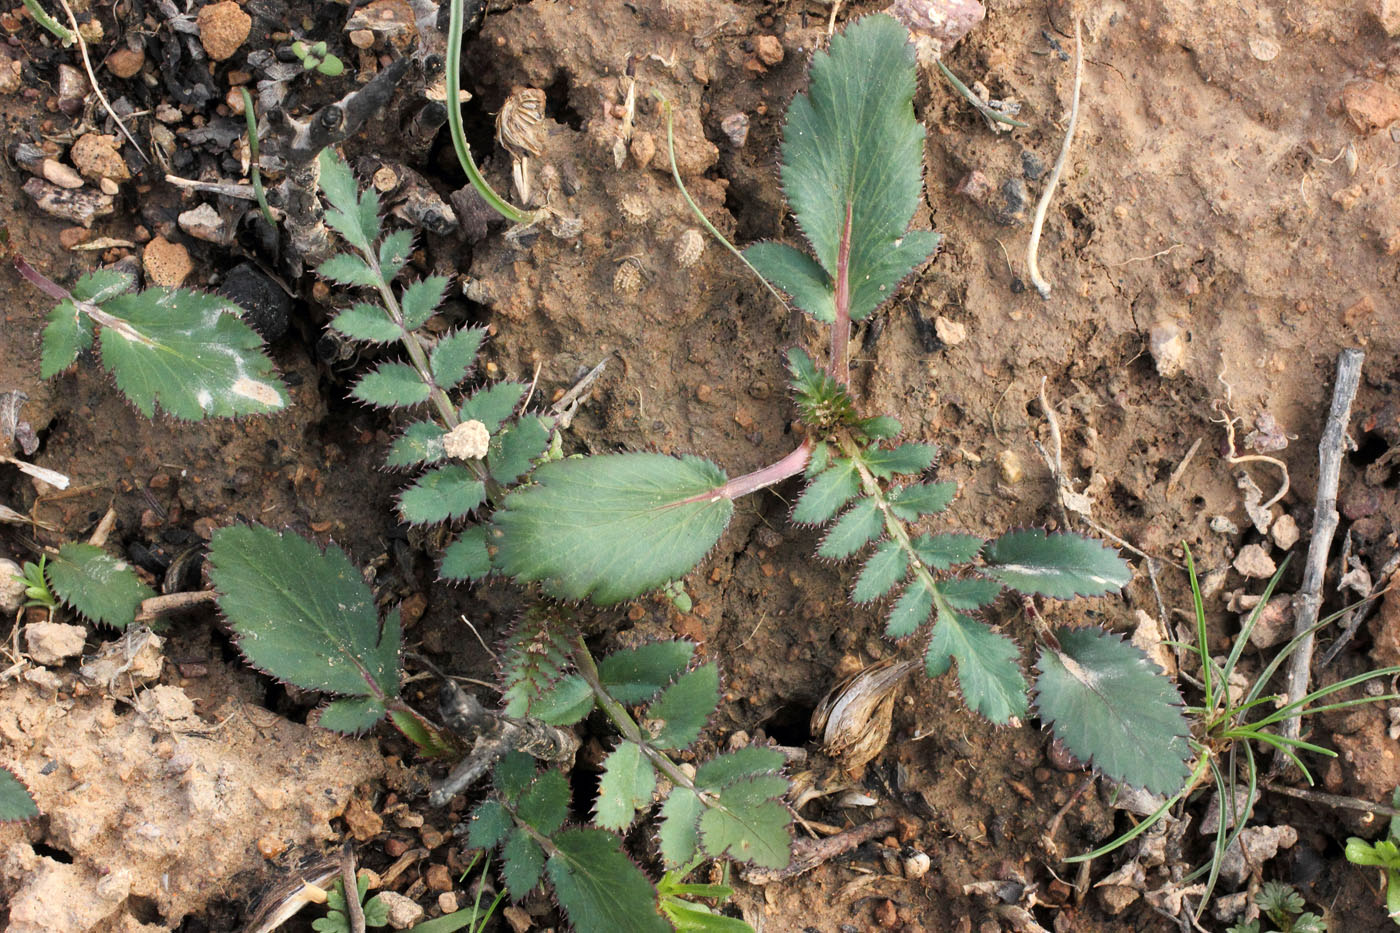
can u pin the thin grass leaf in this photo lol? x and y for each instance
(97, 585)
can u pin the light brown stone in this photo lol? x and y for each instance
(96, 157)
(223, 28)
(1371, 105)
(126, 63)
(166, 263)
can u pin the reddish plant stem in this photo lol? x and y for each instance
(761, 478)
(40, 281)
(841, 327)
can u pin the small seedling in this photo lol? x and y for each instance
(1284, 907)
(681, 902)
(337, 918)
(88, 580)
(36, 586)
(315, 57)
(1385, 855)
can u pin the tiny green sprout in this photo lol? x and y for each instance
(315, 57)
(36, 584)
(1284, 908)
(337, 918)
(1385, 855)
(681, 905)
(675, 592)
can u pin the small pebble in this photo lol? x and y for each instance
(1011, 470)
(203, 223)
(1254, 562)
(51, 643)
(643, 149)
(736, 127)
(403, 912)
(223, 28)
(362, 38)
(950, 332)
(166, 263)
(438, 878)
(1284, 532)
(916, 865)
(65, 176)
(126, 62)
(769, 50)
(447, 902)
(1167, 344)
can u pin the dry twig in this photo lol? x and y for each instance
(1032, 251)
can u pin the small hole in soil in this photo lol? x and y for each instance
(144, 909)
(790, 725)
(48, 851)
(557, 106)
(1371, 448)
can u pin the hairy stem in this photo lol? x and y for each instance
(763, 477)
(57, 292)
(841, 327)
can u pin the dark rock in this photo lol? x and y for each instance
(265, 306)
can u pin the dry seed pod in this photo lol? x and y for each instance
(853, 719)
(627, 280)
(518, 125)
(634, 209)
(689, 247)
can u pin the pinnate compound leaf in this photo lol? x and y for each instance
(1115, 709)
(678, 715)
(749, 823)
(522, 863)
(189, 353)
(911, 611)
(97, 585)
(545, 803)
(15, 801)
(884, 568)
(906, 458)
(1060, 565)
(861, 523)
(442, 494)
(489, 825)
(303, 615)
(679, 835)
(599, 888)
(421, 442)
(467, 557)
(797, 274)
(912, 502)
(348, 269)
(367, 322)
(352, 715)
(493, 405)
(513, 450)
(421, 299)
(609, 528)
(970, 593)
(827, 493)
(988, 668)
(392, 385)
(943, 551)
(453, 356)
(852, 148)
(394, 251)
(67, 334)
(627, 784)
(747, 762)
(635, 675)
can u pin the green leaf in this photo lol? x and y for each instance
(352, 715)
(392, 385)
(338, 185)
(67, 334)
(421, 299)
(189, 353)
(861, 523)
(988, 668)
(751, 761)
(99, 285)
(852, 148)
(1382, 853)
(678, 715)
(1059, 565)
(348, 269)
(634, 675)
(694, 918)
(376, 912)
(969, 594)
(545, 803)
(819, 461)
(879, 428)
(906, 458)
(302, 615)
(563, 703)
(1115, 709)
(394, 251)
(493, 405)
(522, 863)
(367, 322)
(442, 494)
(453, 356)
(514, 773)
(881, 572)
(626, 786)
(943, 551)
(749, 823)
(97, 585)
(679, 835)
(467, 557)
(15, 801)
(912, 502)
(609, 528)
(797, 274)
(512, 451)
(421, 442)
(827, 493)
(599, 888)
(911, 611)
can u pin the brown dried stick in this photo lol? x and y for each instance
(809, 853)
(1325, 519)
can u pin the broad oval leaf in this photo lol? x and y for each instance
(514, 449)
(989, 671)
(679, 835)
(751, 761)
(190, 354)
(421, 442)
(493, 405)
(678, 715)
(970, 593)
(421, 299)
(883, 569)
(15, 801)
(626, 786)
(906, 458)
(1115, 709)
(454, 354)
(67, 334)
(609, 528)
(797, 274)
(367, 322)
(1061, 565)
(522, 863)
(489, 825)
(599, 888)
(912, 502)
(943, 551)
(545, 803)
(467, 557)
(303, 615)
(438, 495)
(97, 585)
(911, 610)
(634, 675)
(394, 251)
(749, 823)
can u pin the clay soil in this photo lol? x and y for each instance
(1226, 224)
